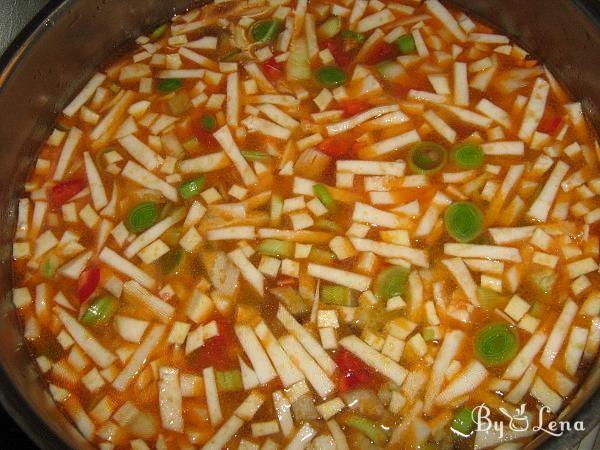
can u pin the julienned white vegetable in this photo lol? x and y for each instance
(360, 167)
(256, 354)
(233, 99)
(312, 346)
(463, 277)
(287, 371)
(161, 309)
(356, 120)
(535, 109)
(266, 127)
(143, 177)
(72, 141)
(465, 382)
(86, 340)
(141, 152)
(540, 208)
(73, 268)
(525, 357)
(231, 233)
(99, 198)
(249, 272)
(86, 93)
(506, 148)
(278, 116)
(374, 359)
(318, 379)
(343, 277)
(169, 399)
(575, 348)
(225, 139)
(444, 16)
(205, 163)
(139, 358)
(336, 431)
(120, 264)
(415, 256)
(302, 438)
(151, 234)
(516, 394)
(558, 333)
(447, 352)
(545, 395)
(367, 214)
(283, 411)
(212, 396)
(482, 251)
(508, 235)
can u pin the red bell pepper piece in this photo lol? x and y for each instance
(64, 191)
(219, 350)
(205, 138)
(273, 70)
(380, 52)
(335, 146)
(352, 107)
(87, 283)
(353, 372)
(550, 125)
(336, 47)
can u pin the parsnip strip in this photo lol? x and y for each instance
(482, 251)
(438, 124)
(278, 116)
(67, 152)
(367, 214)
(318, 379)
(375, 20)
(205, 163)
(120, 264)
(558, 333)
(307, 340)
(415, 256)
(141, 152)
(356, 120)
(302, 438)
(85, 94)
(507, 235)
(575, 348)
(461, 84)
(448, 350)
(468, 116)
(256, 354)
(225, 139)
(161, 309)
(360, 167)
(182, 73)
(103, 131)
(212, 396)
(382, 364)
(231, 233)
(85, 339)
(465, 382)
(99, 198)
(540, 208)
(302, 236)
(463, 278)
(140, 357)
(274, 99)
(283, 410)
(343, 277)
(534, 110)
(233, 99)
(266, 127)
(494, 112)
(505, 148)
(151, 234)
(169, 399)
(249, 272)
(444, 16)
(286, 369)
(224, 434)
(392, 144)
(516, 394)
(524, 358)
(143, 177)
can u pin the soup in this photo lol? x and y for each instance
(327, 225)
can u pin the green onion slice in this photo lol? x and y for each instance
(467, 156)
(171, 260)
(328, 225)
(496, 344)
(229, 380)
(391, 282)
(367, 427)
(353, 36)
(100, 310)
(331, 76)
(464, 221)
(266, 30)
(406, 44)
(192, 188)
(158, 32)
(427, 157)
(169, 85)
(255, 155)
(142, 217)
(334, 294)
(324, 195)
(208, 122)
(276, 248)
(463, 423)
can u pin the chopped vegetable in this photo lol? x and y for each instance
(463, 423)
(64, 191)
(369, 428)
(170, 262)
(467, 156)
(391, 282)
(490, 299)
(100, 310)
(331, 76)
(169, 85)
(255, 155)
(324, 195)
(542, 282)
(192, 188)
(333, 294)
(496, 344)
(359, 38)
(276, 248)
(229, 380)
(266, 30)
(208, 122)
(158, 32)
(88, 282)
(406, 44)
(427, 157)
(463, 221)
(142, 216)
(330, 27)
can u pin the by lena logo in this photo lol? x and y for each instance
(519, 421)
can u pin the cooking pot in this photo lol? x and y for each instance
(56, 54)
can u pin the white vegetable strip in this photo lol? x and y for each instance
(461, 84)
(415, 256)
(283, 410)
(345, 278)
(463, 277)
(558, 333)
(212, 396)
(360, 167)
(278, 116)
(467, 381)
(95, 182)
(354, 121)
(540, 208)
(516, 394)
(444, 16)
(516, 148)
(161, 309)
(336, 431)
(233, 99)
(302, 438)
(139, 357)
(143, 177)
(482, 251)
(392, 144)
(312, 346)
(120, 264)
(228, 233)
(249, 272)
(534, 110)
(266, 127)
(494, 112)
(373, 358)
(259, 359)
(85, 339)
(575, 347)
(151, 234)
(287, 371)
(224, 434)
(225, 139)
(66, 154)
(205, 163)
(141, 152)
(169, 399)
(85, 94)
(318, 379)
(511, 234)
(525, 357)
(370, 215)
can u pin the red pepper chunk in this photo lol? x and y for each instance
(206, 139)
(336, 47)
(218, 351)
(335, 146)
(550, 125)
(380, 52)
(352, 107)
(353, 372)
(273, 70)
(64, 191)
(87, 283)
